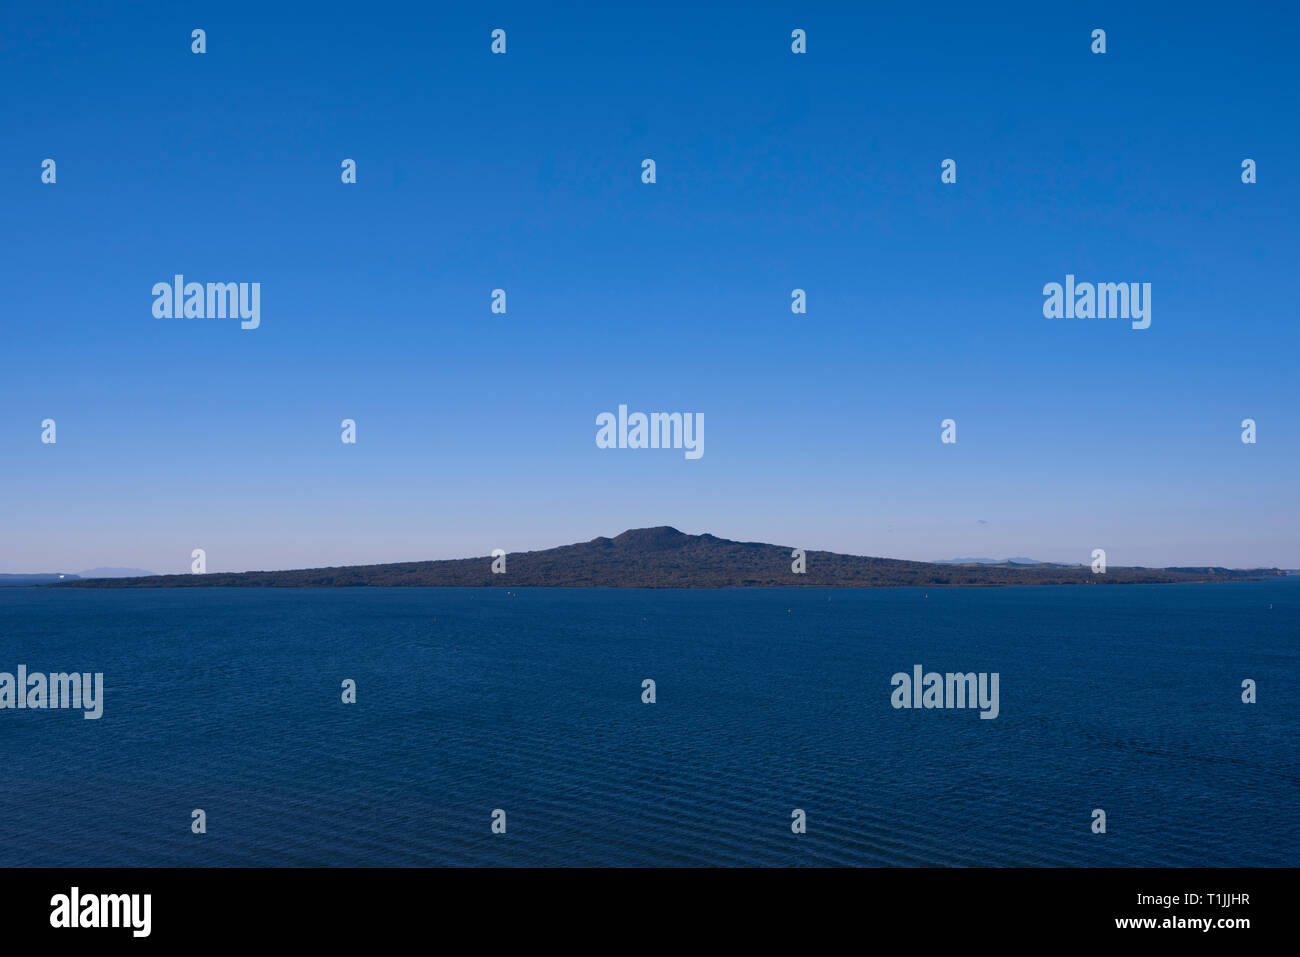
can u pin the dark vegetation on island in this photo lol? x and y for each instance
(663, 557)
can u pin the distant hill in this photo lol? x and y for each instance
(664, 557)
(995, 561)
(114, 573)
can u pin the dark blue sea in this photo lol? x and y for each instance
(1124, 698)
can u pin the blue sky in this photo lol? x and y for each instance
(775, 171)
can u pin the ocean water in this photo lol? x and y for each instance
(1126, 698)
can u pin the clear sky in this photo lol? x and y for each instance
(522, 171)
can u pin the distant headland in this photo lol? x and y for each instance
(664, 557)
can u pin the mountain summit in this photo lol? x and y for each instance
(650, 539)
